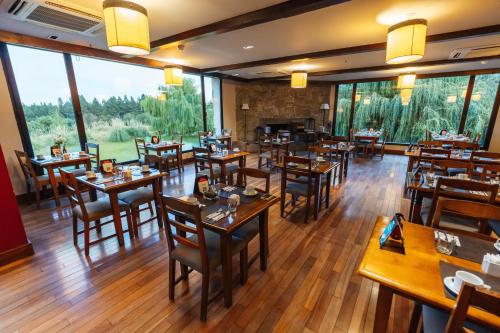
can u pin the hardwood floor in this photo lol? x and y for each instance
(311, 283)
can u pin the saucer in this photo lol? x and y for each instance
(449, 284)
(91, 178)
(292, 165)
(253, 194)
(497, 246)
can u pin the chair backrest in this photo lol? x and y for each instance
(93, 149)
(297, 173)
(241, 145)
(477, 155)
(227, 131)
(325, 152)
(73, 191)
(430, 143)
(490, 171)
(26, 166)
(461, 189)
(466, 145)
(468, 133)
(140, 146)
(255, 173)
(202, 160)
(477, 137)
(429, 154)
(266, 147)
(445, 165)
(157, 161)
(203, 138)
(471, 209)
(284, 135)
(470, 295)
(183, 212)
(340, 138)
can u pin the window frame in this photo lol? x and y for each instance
(70, 74)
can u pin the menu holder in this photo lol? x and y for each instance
(55, 150)
(392, 237)
(107, 165)
(155, 139)
(201, 184)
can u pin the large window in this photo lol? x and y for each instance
(213, 104)
(481, 104)
(343, 109)
(44, 90)
(435, 104)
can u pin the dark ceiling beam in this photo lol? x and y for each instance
(384, 67)
(469, 33)
(279, 11)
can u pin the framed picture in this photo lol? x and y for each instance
(107, 165)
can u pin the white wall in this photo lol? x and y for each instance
(9, 136)
(229, 106)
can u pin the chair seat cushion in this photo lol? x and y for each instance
(456, 171)
(266, 154)
(304, 178)
(297, 188)
(216, 171)
(45, 178)
(137, 197)
(191, 256)
(248, 231)
(98, 209)
(453, 221)
(170, 154)
(435, 320)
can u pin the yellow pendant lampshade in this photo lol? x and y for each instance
(452, 99)
(406, 41)
(299, 79)
(476, 97)
(127, 29)
(406, 81)
(173, 76)
(405, 96)
(357, 98)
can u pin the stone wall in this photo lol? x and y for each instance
(271, 100)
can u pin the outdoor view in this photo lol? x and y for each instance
(119, 102)
(343, 109)
(435, 104)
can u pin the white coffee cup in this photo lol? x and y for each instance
(145, 168)
(250, 189)
(463, 276)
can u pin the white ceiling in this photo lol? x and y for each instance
(357, 22)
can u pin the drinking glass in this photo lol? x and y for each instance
(446, 245)
(232, 204)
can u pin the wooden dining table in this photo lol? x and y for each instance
(167, 146)
(248, 209)
(225, 139)
(323, 169)
(51, 163)
(232, 156)
(344, 149)
(415, 275)
(371, 137)
(113, 185)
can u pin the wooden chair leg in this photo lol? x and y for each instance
(98, 225)
(260, 163)
(171, 279)
(282, 204)
(86, 233)
(205, 279)
(308, 202)
(184, 272)
(150, 206)
(75, 230)
(244, 265)
(129, 223)
(135, 221)
(37, 197)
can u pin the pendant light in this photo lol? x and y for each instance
(406, 41)
(406, 81)
(476, 97)
(127, 29)
(357, 98)
(452, 99)
(173, 76)
(299, 79)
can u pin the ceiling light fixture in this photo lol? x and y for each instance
(357, 98)
(248, 47)
(299, 79)
(127, 29)
(173, 76)
(476, 97)
(406, 81)
(406, 41)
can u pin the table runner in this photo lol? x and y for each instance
(473, 249)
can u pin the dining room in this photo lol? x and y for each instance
(249, 166)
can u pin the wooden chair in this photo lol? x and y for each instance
(469, 209)
(300, 184)
(327, 154)
(200, 251)
(31, 177)
(203, 164)
(476, 156)
(462, 190)
(90, 149)
(170, 157)
(142, 150)
(88, 212)
(476, 140)
(437, 320)
(464, 145)
(267, 153)
(451, 167)
(427, 155)
(490, 171)
(251, 229)
(203, 138)
(234, 168)
(379, 146)
(334, 145)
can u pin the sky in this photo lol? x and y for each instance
(41, 77)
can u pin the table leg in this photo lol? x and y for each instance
(346, 164)
(157, 185)
(180, 166)
(383, 310)
(417, 207)
(328, 187)
(113, 198)
(241, 164)
(227, 269)
(263, 239)
(53, 183)
(223, 171)
(317, 189)
(341, 173)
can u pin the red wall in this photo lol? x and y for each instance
(12, 232)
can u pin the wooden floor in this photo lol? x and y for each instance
(311, 283)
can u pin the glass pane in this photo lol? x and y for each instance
(44, 90)
(121, 102)
(435, 104)
(343, 110)
(481, 105)
(213, 104)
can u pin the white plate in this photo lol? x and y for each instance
(250, 195)
(449, 284)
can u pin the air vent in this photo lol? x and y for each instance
(475, 52)
(58, 15)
